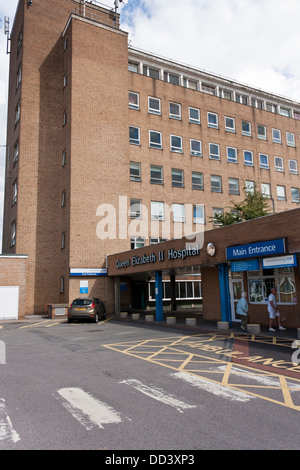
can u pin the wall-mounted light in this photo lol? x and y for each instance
(29, 3)
(211, 249)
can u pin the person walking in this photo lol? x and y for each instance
(242, 310)
(273, 310)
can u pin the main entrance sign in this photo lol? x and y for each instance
(254, 250)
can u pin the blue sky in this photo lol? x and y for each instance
(252, 41)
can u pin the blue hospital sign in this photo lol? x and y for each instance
(254, 250)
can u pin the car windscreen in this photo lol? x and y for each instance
(82, 302)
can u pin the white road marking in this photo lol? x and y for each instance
(89, 411)
(6, 429)
(158, 395)
(215, 388)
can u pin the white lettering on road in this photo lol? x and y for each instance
(213, 387)
(89, 411)
(6, 429)
(157, 395)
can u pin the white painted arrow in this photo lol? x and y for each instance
(6, 429)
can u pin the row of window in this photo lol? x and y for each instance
(154, 107)
(214, 152)
(199, 85)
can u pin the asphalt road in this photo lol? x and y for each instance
(125, 386)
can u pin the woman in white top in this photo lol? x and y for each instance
(273, 310)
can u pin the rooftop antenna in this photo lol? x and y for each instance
(117, 4)
(7, 33)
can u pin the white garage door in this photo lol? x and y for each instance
(9, 303)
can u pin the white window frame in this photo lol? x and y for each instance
(155, 145)
(196, 153)
(266, 166)
(135, 209)
(214, 156)
(196, 218)
(231, 159)
(234, 186)
(136, 175)
(290, 139)
(137, 242)
(135, 141)
(249, 162)
(157, 210)
(216, 183)
(174, 115)
(262, 136)
(176, 148)
(281, 192)
(178, 212)
(178, 182)
(193, 120)
(266, 190)
(156, 180)
(134, 104)
(293, 171)
(249, 132)
(195, 185)
(154, 110)
(295, 199)
(276, 139)
(278, 162)
(229, 120)
(213, 125)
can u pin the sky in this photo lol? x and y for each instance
(255, 42)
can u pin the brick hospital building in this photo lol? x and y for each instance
(96, 126)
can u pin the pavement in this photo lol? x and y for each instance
(201, 324)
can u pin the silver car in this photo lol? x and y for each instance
(87, 307)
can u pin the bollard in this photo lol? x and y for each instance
(149, 317)
(124, 314)
(253, 328)
(190, 321)
(135, 316)
(223, 325)
(171, 320)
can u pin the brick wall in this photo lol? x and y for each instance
(13, 273)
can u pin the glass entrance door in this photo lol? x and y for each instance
(236, 289)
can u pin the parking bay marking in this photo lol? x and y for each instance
(171, 353)
(88, 410)
(158, 395)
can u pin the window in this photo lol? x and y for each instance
(155, 241)
(63, 198)
(194, 115)
(65, 118)
(134, 135)
(197, 181)
(66, 43)
(156, 174)
(64, 157)
(231, 155)
(137, 242)
(293, 167)
(285, 112)
(176, 144)
(157, 210)
(178, 212)
(171, 78)
(256, 103)
(248, 158)
(227, 95)
(262, 132)
(261, 282)
(208, 89)
(281, 196)
(196, 148)
(217, 211)
(276, 134)
(19, 76)
(272, 108)
(229, 124)
(278, 164)
(246, 128)
(13, 233)
(155, 140)
(216, 184)
(133, 67)
(63, 241)
(65, 80)
(175, 111)
(295, 194)
(16, 152)
(154, 105)
(212, 120)
(17, 112)
(199, 214)
(214, 151)
(290, 139)
(177, 178)
(134, 100)
(20, 42)
(266, 190)
(187, 83)
(135, 171)
(14, 192)
(234, 186)
(135, 210)
(62, 285)
(263, 161)
(249, 187)
(241, 99)
(150, 72)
